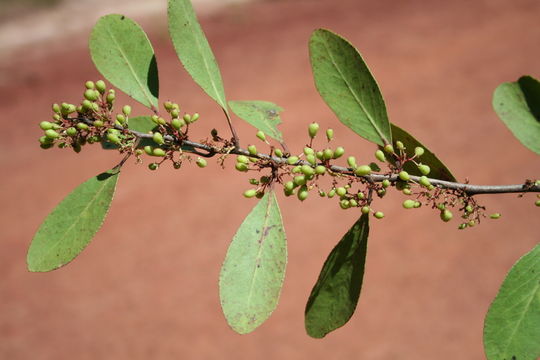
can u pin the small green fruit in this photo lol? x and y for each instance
(319, 155)
(250, 193)
(424, 181)
(332, 193)
(175, 113)
(126, 110)
(100, 86)
(365, 210)
(158, 138)
(495, 216)
(51, 134)
(71, 131)
(242, 159)
(45, 125)
(319, 170)
(113, 138)
(252, 150)
(56, 108)
(91, 95)
(302, 193)
(385, 183)
(462, 226)
(261, 136)
(45, 140)
(111, 96)
(403, 175)
(289, 186)
(378, 215)
(297, 169)
(418, 151)
(175, 123)
(537, 203)
(299, 180)
(379, 155)
(328, 154)
(341, 191)
(353, 203)
(187, 118)
(400, 145)
(446, 215)
(311, 159)
(329, 134)
(424, 169)
(389, 149)
(313, 129)
(469, 208)
(82, 126)
(363, 170)
(148, 150)
(242, 167)
(158, 152)
(417, 204)
(309, 151)
(408, 204)
(278, 152)
(351, 161)
(200, 162)
(339, 152)
(194, 118)
(139, 152)
(308, 170)
(344, 204)
(291, 160)
(153, 166)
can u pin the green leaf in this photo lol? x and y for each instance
(263, 115)
(334, 297)
(347, 86)
(68, 229)
(123, 54)
(254, 268)
(438, 169)
(194, 51)
(512, 324)
(518, 105)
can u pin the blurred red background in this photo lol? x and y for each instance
(147, 285)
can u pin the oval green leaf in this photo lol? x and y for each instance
(254, 267)
(438, 169)
(194, 51)
(68, 229)
(347, 86)
(512, 324)
(335, 295)
(263, 115)
(518, 105)
(123, 54)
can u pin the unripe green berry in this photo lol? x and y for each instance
(111, 96)
(344, 204)
(389, 149)
(56, 108)
(194, 118)
(403, 175)
(307, 170)
(351, 161)
(385, 183)
(289, 185)
(100, 86)
(45, 125)
(408, 204)
(313, 129)
(446, 215)
(250, 193)
(82, 126)
(400, 145)
(158, 138)
(168, 105)
(91, 95)
(495, 216)
(381, 192)
(328, 154)
(379, 155)
(175, 113)
(278, 152)
(158, 152)
(139, 152)
(319, 155)
(365, 210)
(319, 170)
(89, 84)
(241, 167)
(424, 181)
(242, 159)
(252, 150)
(299, 180)
(322, 193)
(175, 123)
(462, 226)
(353, 203)
(341, 191)
(121, 119)
(417, 204)
(254, 181)
(441, 206)
(361, 195)
(363, 170)
(471, 223)
(45, 140)
(56, 117)
(297, 169)
(291, 160)
(302, 193)
(311, 159)
(308, 151)
(261, 136)
(149, 150)
(126, 110)
(71, 131)
(424, 169)
(339, 152)
(469, 208)
(537, 203)
(51, 134)
(200, 162)
(113, 138)
(187, 118)
(418, 151)
(329, 134)
(378, 215)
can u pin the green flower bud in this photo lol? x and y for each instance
(378, 215)
(82, 126)
(250, 193)
(363, 170)
(56, 117)
(45, 125)
(408, 204)
(168, 105)
(319, 155)
(291, 160)
(252, 150)
(353, 203)
(495, 216)
(175, 113)
(385, 183)
(311, 159)
(187, 118)
(51, 134)
(299, 180)
(113, 138)
(91, 95)
(56, 108)
(200, 162)
(329, 134)
(308, 151)
(341, 191)
(424, 181)
(418, 151)
(71, 131)
(446, 215)
(344, 204)
(158, 152)
(351, 161)
(278, 152)
(319, 170)
(175, 123)
(241, 167)
(261, 136)
(389, 149)
(332, 193)
(111, 96)
(424, 169)
(403, 175)
(126, 110)
(471, 223)
(158, 138)
(400, 145)
(328, 154)
(365, 210)
(302, 193)
(297, 169)
(100, 86)
(339, 152)
(89, 84)
(313, 129)
(379, 155)
(307, 170)
(194, 118)
(98, 123)
(121, 119)
(289, 185)
(242, 159)
(417, 204)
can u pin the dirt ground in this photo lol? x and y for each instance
(146, 288)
